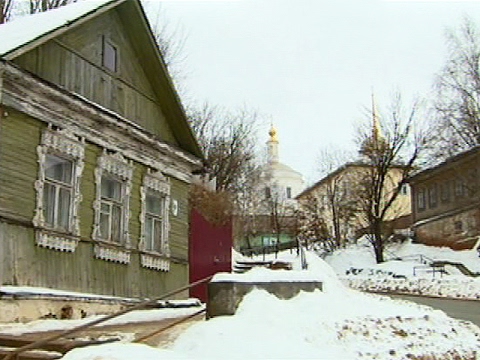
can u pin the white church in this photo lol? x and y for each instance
(279, 179)
(275, 222)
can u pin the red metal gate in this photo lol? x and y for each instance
(210, 251)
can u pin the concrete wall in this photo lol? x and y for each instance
(225, 296)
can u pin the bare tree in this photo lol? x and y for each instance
(338, 205)
(457, 100)
(171, 40)
(5, 10)
(389, 159)
(248, 206)
(228, 139)
(37, 6)
(312, 227)
(279, 210)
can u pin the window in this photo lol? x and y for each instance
(458, 226)
(459, 188)
(154, 218)
(111, 209)
(58, 189)
(421, 200)
(110, 55)
(445, 191)
(154, 212)
(432, 196)
(404, 189)
(289, 192)
(268, 193)
(58, 192)
(113, 178)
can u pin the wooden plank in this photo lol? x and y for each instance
(31, 355)
(61, 346)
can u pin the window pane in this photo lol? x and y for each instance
(58, 169)
(104, 225)
(105, 208)
(49, 204)
(116, 229)
(63, 215)
(111, 188)
(154, 204)
(149, 233)
(158, 235)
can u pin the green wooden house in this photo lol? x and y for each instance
(96, 154)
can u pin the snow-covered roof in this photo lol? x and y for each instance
(30, 28)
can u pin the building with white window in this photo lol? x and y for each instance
(96, 154)
(279, 180)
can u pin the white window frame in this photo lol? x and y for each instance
(118, 167)
(111, 204)
(157, 183)
(65, 144)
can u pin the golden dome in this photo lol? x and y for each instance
(273, 134)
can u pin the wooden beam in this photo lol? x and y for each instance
(61, 346)
(31, 355)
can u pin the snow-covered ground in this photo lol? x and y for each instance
(356, 266)
(337, 323)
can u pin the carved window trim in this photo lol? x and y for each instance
(155, 182)
(64, 143)
(117, 166)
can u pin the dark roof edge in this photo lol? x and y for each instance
(446, 162)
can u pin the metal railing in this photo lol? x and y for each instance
(268, 249)
(433, 268)
(418, 257)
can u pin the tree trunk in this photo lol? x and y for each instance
(378, 247)
(378, 241)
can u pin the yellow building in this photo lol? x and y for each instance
(337, 197)
(346, 197)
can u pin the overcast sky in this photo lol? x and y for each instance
(309, 66)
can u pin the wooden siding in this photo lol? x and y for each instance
(74, 61)
(24, 263)
(461, 174)
(179, 224)
(18, 163)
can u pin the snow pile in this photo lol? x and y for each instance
(459, 288)
(122, 352)
(469, 258)
(262, 275)
(337, 323)
(357, 268)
